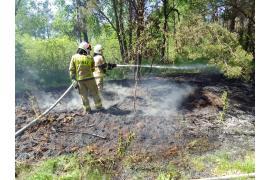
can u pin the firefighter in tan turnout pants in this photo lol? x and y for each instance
(100, 66)
(100, 70)
(81, 72)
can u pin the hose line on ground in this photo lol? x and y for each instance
(249, 175)
(44, 113)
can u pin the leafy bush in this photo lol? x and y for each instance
(42, 62)
(198, 39)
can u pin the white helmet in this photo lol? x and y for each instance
(97, 49)
(85, 46)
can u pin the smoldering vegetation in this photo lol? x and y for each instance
(173, 115)
(157, 98)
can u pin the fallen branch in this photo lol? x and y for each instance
(135, 88)
(77, 132)
(228, 177)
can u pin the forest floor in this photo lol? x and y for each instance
(172, 129)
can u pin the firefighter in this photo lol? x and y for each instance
(81, 73)
(100, 66)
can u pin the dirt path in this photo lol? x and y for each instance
(175, 115)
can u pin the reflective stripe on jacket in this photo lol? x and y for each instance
(81, 67)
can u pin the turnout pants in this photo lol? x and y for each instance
(99, 80)
(86, 88)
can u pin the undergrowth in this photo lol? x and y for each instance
(85, 166)
(224, 163)
(62, 167)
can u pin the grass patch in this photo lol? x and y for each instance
(172, 172)
(226, 166)
(198, 164)
(224, 163)
(63, 167)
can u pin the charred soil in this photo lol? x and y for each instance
(176, 119)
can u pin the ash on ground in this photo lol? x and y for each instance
(167, 116)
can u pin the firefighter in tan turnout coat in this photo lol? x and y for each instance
(100, 66)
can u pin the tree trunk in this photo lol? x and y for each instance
(140, 19)
(85, 36)
(232, 20)
(165, 30)
(122, 31)
(130, 33)
(81, 22)
(84, 28)
(174, 28)
(250, 44)
(119, 28)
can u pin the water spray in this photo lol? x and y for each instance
(183, 67)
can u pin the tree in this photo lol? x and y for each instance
(34, 19)
(112, 11)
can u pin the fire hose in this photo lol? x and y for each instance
(44, 113)
(109, 66)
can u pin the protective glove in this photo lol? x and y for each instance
(111, 66)
(75, 83)
(103, 66)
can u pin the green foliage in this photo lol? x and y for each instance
(224, 163)
(123, 143)
(63, 24)
(198, 39)
(34, 18)
(108, 40)
(225, 104)
(171, 173)
(42, 62)
(46, 39)
(63, 167)
(164, 176)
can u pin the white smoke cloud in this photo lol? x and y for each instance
(153, 98)
(46, 99)
(157, 98)
(163, 99)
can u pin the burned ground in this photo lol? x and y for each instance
(176, 116)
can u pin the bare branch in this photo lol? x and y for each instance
(105, 16)
(175, 10)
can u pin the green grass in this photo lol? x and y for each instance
(227, 166)
(67, 167)
(84, 166)
(224, 163)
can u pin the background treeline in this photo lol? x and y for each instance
(219, 32)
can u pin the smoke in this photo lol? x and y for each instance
(26, 79)
(74, 102)
(153, 97)
(165, 99)
(71, 102)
